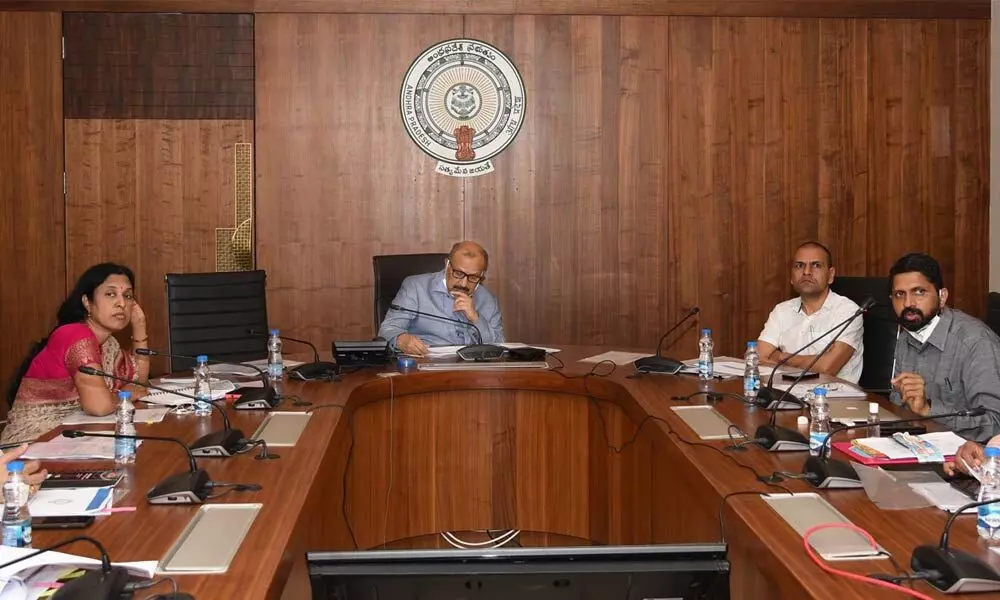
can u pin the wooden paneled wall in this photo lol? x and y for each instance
(155, 105)
(665, 162)
(32, 218)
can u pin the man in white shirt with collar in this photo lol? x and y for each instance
(818, 309)
(945, 360)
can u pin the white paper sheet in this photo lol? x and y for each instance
(142, 415)
(945, 441)
(12, 578)
(83, 448)
(68, 502)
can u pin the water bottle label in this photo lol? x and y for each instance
(274, 370)
(17, 535)
(124, 447)
(751, 384)
(816, 440)
(989, 517)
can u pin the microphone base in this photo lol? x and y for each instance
(658, 364)
(256, 399)
(481, 352)
(781, 439)
(221, 444)
(767, 397)
(95, 585)
(830, 474)
(190, 487)
(324, 371)
(961, 573)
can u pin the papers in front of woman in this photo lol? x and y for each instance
(142, 415)
(220, 388)
(81, 448)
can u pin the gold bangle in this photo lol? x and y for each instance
(140, 341)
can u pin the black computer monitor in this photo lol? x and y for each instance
(688, 571)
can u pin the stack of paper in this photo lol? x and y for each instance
(83, 448)
(219, 389)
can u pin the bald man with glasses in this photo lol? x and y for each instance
(455, 292)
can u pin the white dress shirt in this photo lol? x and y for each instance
(789, 328)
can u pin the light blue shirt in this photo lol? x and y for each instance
(428, 293)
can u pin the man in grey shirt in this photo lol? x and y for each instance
(455, 292)
(945, 360)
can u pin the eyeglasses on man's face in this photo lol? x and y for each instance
(473, 278)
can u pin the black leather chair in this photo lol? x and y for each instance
(212, 313)
(391, 270)
(880, 328)
(993, 311)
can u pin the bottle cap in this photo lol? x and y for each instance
(124, 395)
(873, 408)
(706, 331)
(202, 358)
(406, 362)
(991, 452)
(274, 332)
(16, 466)
(752, 344)
(802, 421)
(820, 391)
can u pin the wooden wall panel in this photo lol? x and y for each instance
(166, 66)
(929, 150)
(925, 9)
(338, 180)
(31, 203)
(149, 194)
(664, 163)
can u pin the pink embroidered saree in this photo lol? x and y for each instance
(47, 394)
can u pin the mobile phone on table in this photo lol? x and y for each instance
(75, 522)
(793, 376)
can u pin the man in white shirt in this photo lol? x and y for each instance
(818, 309)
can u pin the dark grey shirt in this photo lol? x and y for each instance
(960, 364)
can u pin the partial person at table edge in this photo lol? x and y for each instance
(803, 320)
(48, 386)
(945, 360)
(457, 291)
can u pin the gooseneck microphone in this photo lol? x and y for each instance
(657, 363)
(106, 584)
(477, 351)
(782, 439)
(250, 398)
(227, 442)
(316, 370)
(191, 487)
(823, 472)
(955, 571)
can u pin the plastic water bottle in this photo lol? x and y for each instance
(16, 518)
(706, 360)
(124, 447)
(275, 365)
(874, 421)
(202, 387)
(819, 422)
(988, 522)
(751, 372)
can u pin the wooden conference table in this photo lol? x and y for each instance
(427, 452)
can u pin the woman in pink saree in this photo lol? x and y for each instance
(48, 387)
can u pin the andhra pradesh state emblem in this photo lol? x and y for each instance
(462, 102)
